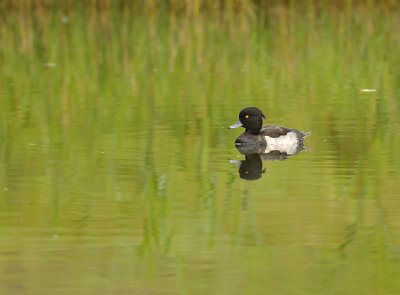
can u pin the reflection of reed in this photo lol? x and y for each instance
(157, 229)
(365, 191)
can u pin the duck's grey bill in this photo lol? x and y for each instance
(236, 125)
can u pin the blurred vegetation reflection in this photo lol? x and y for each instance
(115, 174)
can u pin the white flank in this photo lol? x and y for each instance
(285, 144)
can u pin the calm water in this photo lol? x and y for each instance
(117, 173)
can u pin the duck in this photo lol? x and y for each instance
(273, 138)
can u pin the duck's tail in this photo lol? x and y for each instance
(305, 134)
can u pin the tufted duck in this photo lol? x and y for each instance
(275, 138)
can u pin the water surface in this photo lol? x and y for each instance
(116, 173)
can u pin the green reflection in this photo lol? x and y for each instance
(115, 173)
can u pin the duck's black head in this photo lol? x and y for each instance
(250, 118)
(251, 168)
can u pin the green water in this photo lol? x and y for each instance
(115, 171)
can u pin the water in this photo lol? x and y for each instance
(118, 175)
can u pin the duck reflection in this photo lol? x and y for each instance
(251, 168)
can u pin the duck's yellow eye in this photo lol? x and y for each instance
(247, 116)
